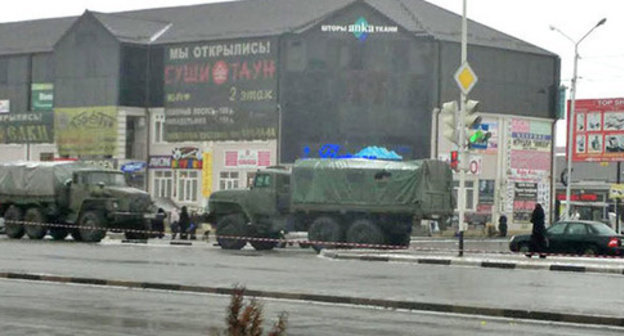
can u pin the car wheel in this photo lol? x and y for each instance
(233, 226)
(525, 249)
(590, 250)
(13, 230)
(34, 231)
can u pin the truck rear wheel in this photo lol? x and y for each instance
(232, 226)
(89, 224)
(58, 233)
(325, 229)
(14, 230)
(35, 231)
(365, 231)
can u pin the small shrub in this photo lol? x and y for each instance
(246, 320)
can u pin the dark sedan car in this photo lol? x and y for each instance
(575, 237)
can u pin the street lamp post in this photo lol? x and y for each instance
(572, 106)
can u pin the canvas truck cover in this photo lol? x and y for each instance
(413, 186)
(37, 179)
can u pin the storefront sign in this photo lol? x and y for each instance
(221, 91)
(132, 167)
(525, 198)
(529, 157)
(247, 159)
(36, 127)
(207, 175)
(5, 106)
(186, 158)
(616, 191)
(598, 130)
(42, 96)
(159, 162)
(360, 29)
(82, 131)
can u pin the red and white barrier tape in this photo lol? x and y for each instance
(321, 243)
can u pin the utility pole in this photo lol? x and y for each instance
(461, 193)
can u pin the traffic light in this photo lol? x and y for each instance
(477, 135)
(454, 160)
(449, 121)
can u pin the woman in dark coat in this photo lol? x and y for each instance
(538, 235)
(184, 223)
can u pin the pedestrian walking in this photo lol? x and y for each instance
(158, 223)
(538, 235)
(184, 223)
(175, 222)
(502, 225)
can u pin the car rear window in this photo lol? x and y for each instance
(601, 229)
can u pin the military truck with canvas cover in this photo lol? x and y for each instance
(335, 200)
(74, 193)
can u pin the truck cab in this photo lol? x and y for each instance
(259, 211)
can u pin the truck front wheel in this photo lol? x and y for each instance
(14, 230)
(365, 231)
(325, 229)
(35, 231)
(228, 228)
(89, 226)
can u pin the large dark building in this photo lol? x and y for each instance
(206, 94)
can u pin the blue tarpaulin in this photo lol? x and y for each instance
(378, 153)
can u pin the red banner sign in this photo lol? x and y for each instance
(598, 130)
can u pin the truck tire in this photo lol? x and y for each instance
(14, 230)
(75, 233)
(231, 225)
(58, 233)
(87, 224)
(325, 229)
(33, 231)
(365, 231)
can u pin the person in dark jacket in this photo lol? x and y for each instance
(158, 223)
(538, 235)
(185, 222)
(502, 225)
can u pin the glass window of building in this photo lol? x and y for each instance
(228, 180)
(163, 184)
(188, 185)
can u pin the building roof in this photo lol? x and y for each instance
(251, 18)
(32, 36)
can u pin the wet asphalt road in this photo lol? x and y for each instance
(296, 270)
(29, 308)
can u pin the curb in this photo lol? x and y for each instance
(382, 303)
(552, 266)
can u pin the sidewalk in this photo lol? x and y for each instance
(503, 261)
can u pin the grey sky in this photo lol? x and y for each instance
(601, 68)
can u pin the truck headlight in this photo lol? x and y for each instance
(115, 205)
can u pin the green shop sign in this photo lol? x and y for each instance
(42, 96)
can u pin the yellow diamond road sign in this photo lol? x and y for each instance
(465, 78)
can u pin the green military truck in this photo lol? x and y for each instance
(334, 200)
(73, 193)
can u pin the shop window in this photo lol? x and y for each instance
(188, 185)
(163, 183)
(228, 180)
(470, 194)
(159, 129)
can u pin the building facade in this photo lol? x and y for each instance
(188, 100)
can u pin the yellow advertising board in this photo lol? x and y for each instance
(86, 130)
(616, 191)
(207, 174)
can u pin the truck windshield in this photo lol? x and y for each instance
(109, 179)
(262, 181)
